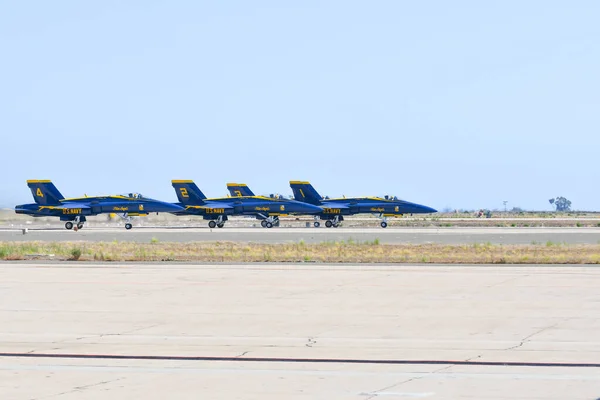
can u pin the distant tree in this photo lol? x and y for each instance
(561, 203)
(517, 210)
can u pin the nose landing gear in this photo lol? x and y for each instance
(383, 219)
(127, 220)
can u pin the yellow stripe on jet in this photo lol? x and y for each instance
(299, 183)
(39, 181)
(101, 197)
(49, 208)
(182, 181)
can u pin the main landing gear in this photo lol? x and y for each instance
(270, 222)
(219, 222)
(76, 224)
(335, 222)
(330, 223)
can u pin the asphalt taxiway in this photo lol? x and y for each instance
(155, 331)
(390, 235)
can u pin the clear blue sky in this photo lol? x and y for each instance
(459, 104)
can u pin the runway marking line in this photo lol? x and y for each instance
(303, 360)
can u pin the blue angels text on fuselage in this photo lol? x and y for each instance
(335, 209)
(49, 202)
(217, 210)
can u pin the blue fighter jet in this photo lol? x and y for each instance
(335, 209)
(49, 202)
(217, 210)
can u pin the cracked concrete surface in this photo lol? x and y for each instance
(455, 313)
(529, 337)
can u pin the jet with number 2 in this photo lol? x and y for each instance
(335, 209)
(49, 202)
(217, 210)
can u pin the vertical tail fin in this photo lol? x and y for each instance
(44, 192)
(305, 192)
(188, 192)
(239, 190)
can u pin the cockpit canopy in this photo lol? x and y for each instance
(390, 197)
(133, 195)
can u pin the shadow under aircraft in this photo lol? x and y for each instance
(335, 209)
(217, 210)
(49, 202)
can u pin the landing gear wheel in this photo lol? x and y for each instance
(268, 225)
(128, 226)
(384, 224)
(328, 223)
(317, 224)
(220, 225)
(336, 225)
(212, 224)
(80, 226)
(263, 223)
(69, 225)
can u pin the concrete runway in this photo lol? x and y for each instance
(314, 235)
(298, 331)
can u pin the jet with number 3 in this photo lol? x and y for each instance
(217, 210)
(49, 202)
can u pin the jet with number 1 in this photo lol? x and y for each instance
(217, 210)
(335, 209)
(49, 202)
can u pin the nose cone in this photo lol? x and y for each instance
(419, 209)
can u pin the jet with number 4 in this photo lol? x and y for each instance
(217, 210)
(49, 202)
(335, 209)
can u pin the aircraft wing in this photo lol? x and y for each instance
(213, 205)
(69, 206)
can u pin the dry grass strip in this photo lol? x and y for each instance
(329, 252)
